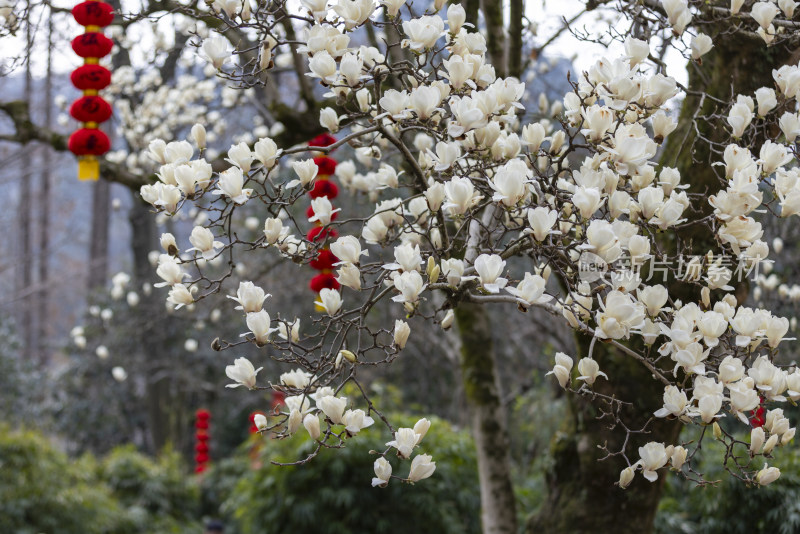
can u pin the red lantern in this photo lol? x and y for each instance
(324, 188)
(202, 414)
(88, 142)
(90, 108)
(93, 13)
(326, 165)
(92, 45)
(323, 281)
(324, 260)
(322, 140)
(278, 398)
(319, 233)
(201, 447)
(91, 77)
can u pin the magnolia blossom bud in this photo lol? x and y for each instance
(757, 438)
(401, 333)
(449, 317)
(626, 477)
(383, 472)
(260, 421)
(199, 136)
(311, 422)
(767, 475)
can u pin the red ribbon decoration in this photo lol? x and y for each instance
(89, 142)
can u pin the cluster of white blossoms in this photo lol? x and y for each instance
(478, 188)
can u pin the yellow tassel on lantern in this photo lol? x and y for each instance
(88, 168)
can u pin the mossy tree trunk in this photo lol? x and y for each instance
(498, 510)
(581, 494)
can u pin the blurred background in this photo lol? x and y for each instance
(114, 417)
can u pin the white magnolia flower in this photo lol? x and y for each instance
(530, 290)
(267, 152)
(330, 300)
(260, 421)
(423, 32)
(349, 276)
(311, 422)
(241, 156)
(203, 241)
(383, 472)
(489, 268)
(589, 370)
(407, 258)
(405, 439)
(179, 296)
(410, 284)
(348, 250)
(333, 407)
(258, 323)
(542, 220)
(216, 50)
(401, 333)
(323, 210)
(306, 171)
(701, 45)
(355, 420)
(250, 297)
(243, 373)
(619, 316)
(767, 475)
(230, 184)
(562, 369)
(421, 468)
(653, 457)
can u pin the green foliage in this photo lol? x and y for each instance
(332, 493)
(732, 507)
(158, 494)
(43, 491)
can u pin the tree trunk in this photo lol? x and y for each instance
(24, 271)
(496, 35)
(582, 497)
(516, 14)
(498, 510)
(44, 210)
(153, 331)
(98, 244)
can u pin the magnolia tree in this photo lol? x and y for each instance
(481, 211)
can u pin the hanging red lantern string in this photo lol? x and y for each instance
(323, 187)
(89, 141)
(202, 424)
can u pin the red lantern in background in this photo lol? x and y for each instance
(88, 142)
(93, 13)
(201, 424)
(323, 187)
(91, 108)
(92, 45)
(91, 77)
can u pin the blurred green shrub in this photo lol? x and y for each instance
(43, 491)
(332, 493)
